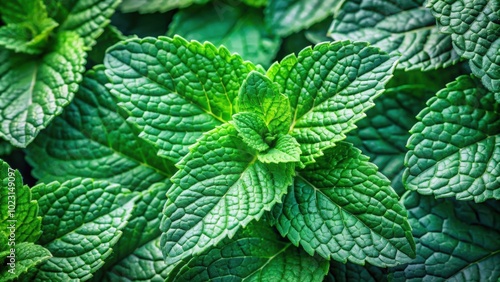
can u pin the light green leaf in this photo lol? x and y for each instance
(404, 26)
(80, 242)
(456, 240)
(151, 6)
(239, 28)
(252, 129)
(340, 207)
(330, 86)
(255, 3)
(219, 188)
(33, 90)
(256, 253)
(27, 256)
(289, 16)
(453, 150)
(174, 90)
(474, 26)
(261, 96)
(285, 150)
(92, 140)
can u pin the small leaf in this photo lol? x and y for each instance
(474, 26)
(219, 188)
(238, 27)
(33, 90)
(261, 96)
(453, 150)
(342, 208)
(329, 87)
(174, 90)
(80, 242)
(456, 240)
(151, 6)
(27, 37)
(285, 150)
(27, 257)
(252, 129)
(256, 253)
(402, 26)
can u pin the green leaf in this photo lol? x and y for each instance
(402, 26)
(219, 188)
(474, 26)
(329, 87)
(340, 207)
(255, 3)
(456, 240)
(240, 28)
(256, 253)
(27, 256)
(453, 150)
(261, 96)
(92, 140)
(289, 16)
(174, 90)
(151, 6)
(5, 148)
(252, 129)
(109, 37)
(80, 242)
(346, 272)
(33, 90)
(285, 150)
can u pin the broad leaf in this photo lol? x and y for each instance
(92, 140)
(151, 6)
(174, 90)
(261, 96)
(256, 253)
(219, 188)
(33, 90)
(27, 257)
(456, 240)
(474, 26)
(289, 16)
(239, 28)
(286, 150)
(330, 87)
(252, 129)
(80, 242)
(340, 207)
(404, 26)
(454, 148)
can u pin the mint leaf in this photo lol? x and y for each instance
(255, 3)
(151, 6)
(109, 37)
(342, 208)
(92, 140)
(402, 26)
(285, 150)
(453, 150)
(475, 30)
(219, 188)
(33, 90)
(456, 240)
(260, 95)
(240, 28)
(173, 90)
(345, 272)
(252, 129)
(255, 253)
(329, 88)
(289, 16)
(28, 256)
(80, 242)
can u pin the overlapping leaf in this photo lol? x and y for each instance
(346, 272)
(220, 187)
(454, 149)
(456, 240)
(80, 241)
(329, 88)
(256, 253)
(151, 6)
(341, 207)
(240, 28)
(33, 90)
(175, 90)
(474, 26)
(396, 25)
(91, 139)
